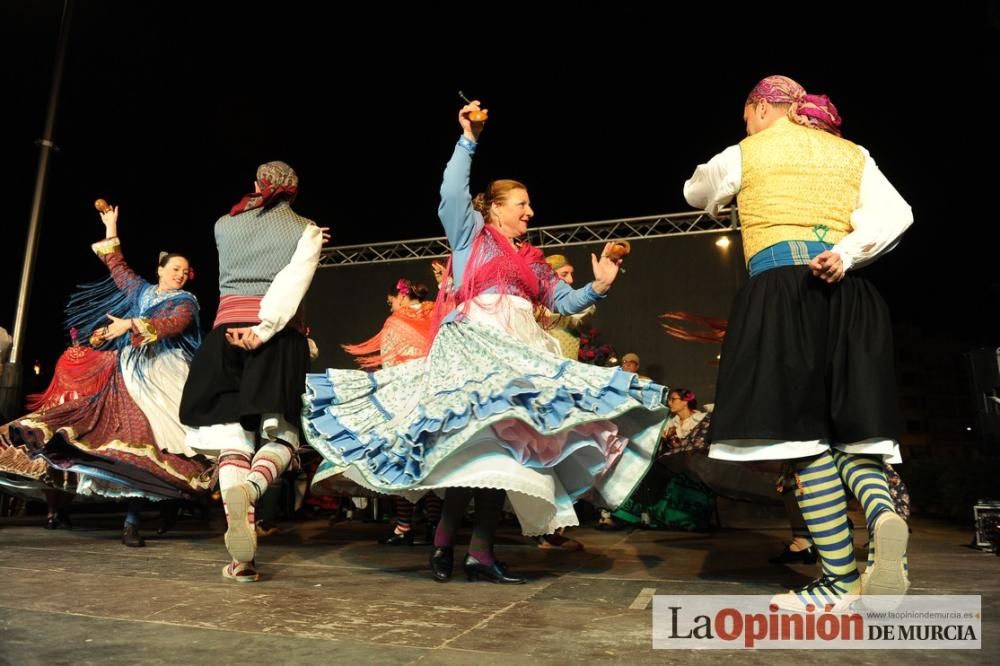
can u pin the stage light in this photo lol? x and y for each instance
(723, 242)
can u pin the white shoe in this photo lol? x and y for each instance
(887, 575)
(827, 594)
(241, 537)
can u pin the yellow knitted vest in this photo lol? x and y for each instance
(798, 184)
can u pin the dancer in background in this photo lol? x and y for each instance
(406, 335)
(110, 413)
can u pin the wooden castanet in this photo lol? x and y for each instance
(619, 250)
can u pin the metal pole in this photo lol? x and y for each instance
(11, 383)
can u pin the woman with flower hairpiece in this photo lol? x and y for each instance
(494, 408)
(110, 414)
(406, 335)
(687, 429)
(686, 433)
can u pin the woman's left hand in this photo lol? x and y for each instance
(828, 266)
(244, 338)
(116, 328)
(605, 270)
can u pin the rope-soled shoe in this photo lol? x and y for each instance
(887, 574)
(241, 535)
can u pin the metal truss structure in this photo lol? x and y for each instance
(585, 233)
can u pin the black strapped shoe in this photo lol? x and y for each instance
(131, 536)
(442, 563)
(789, 556)
(397, 539)
(496, 572)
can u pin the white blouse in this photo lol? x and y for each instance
(290, 285)
(683, 427)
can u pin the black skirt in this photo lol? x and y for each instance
(805, 360)
(228, 384)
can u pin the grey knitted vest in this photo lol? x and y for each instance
(254, 246)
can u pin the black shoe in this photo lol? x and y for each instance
(496, 572)
(789, 556)
(265, 528)
(612, 525)
(442, 563)
(58, 519)
(168, 516)
(397, 539)
(131, 536)
(428, 538)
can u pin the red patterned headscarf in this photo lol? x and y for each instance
(816, 111)
(276, 179)
(820, 113)
(776, 90)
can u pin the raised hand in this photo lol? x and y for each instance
(471, 128)
(605, 269)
